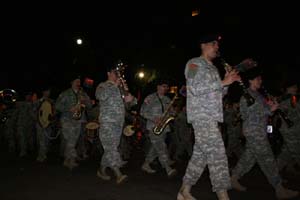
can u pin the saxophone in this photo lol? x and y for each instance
(165, 119)
(79, 107)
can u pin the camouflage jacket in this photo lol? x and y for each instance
(293, 113)
(68, 99)
(152, 108)
(204, 91)
(254, 116)
(111, 104)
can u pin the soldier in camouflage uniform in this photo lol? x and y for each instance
(71, 101)
(258, 148)
(111, 119)
(205, 91)
(152, 110)
(290, 152)
(9, 125)
(25, 124)
(43, 133)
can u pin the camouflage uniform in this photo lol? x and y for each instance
(9, 128)
(25, 124)
(290, 152)
(257, 148)
(233, 131)
(184, 134)
(204, 111)
(151, 109)
(111, 119)
(71, 128)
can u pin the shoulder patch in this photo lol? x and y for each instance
(193, 66)
(192, 70)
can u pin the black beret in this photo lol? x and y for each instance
(162, 81)
(253, 73)
(209, 38)
(74, 77)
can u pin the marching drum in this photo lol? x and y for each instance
(92, 129)
(46, 114)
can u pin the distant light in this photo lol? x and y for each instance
(173, 89)
(195, 12)
(79, 41)
(141, 74)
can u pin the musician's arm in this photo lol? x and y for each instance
(87, 101)
(146, 109)
(101, 93)
(204, 83)
(61, 104)
(131, 103)
(244, 109)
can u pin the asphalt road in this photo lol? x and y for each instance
(25, 179)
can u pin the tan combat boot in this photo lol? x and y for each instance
(284, 193)
(236, 185)
(146, 167)
(101, 173)
(70, 163)
(171, 173)
(185, 193)
(120, 177)
(223, 195)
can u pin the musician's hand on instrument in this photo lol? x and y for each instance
(273, 105)
(128, 98)
(230, 77)
(73, 109)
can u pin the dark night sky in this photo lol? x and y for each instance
(164, 39)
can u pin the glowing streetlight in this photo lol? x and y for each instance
(79, 41)
(141, 75)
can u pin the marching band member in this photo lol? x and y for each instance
(111, 119)
(71, 104)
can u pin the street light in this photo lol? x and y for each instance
(79, 41)
(141, 75)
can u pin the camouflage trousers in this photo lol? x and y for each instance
(234, 145)
(42, 139)
(71, 131)
(25, 136)
(10, 135)
(208, 150)
(290, 151)
(258, 150)
(110, 134)
(158, 148)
